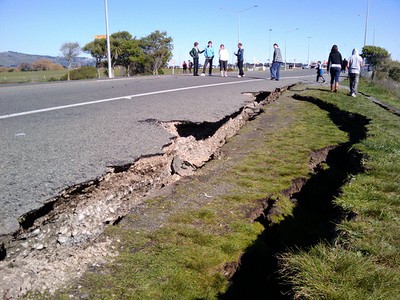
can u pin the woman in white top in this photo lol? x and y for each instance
(223, 60)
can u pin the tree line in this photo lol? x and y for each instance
(138, 56)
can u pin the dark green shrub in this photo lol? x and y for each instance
(87, 72)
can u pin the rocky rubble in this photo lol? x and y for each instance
(58, 244)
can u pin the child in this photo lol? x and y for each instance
(320, 71)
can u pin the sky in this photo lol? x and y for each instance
(304, 29)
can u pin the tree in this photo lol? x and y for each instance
(120, 43)
(158, 49)
(374, 55)
(132, 57)
(24, 67)
(98, 50)
(45, 65)
(70, 51)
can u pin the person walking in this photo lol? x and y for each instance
(223, 60)
(276, 63)
(334, 67)
(240, 58)
(209, 55)
(194, 53)
(344, 65)
(320, 72)
(354, 66)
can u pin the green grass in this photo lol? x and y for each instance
(364, 263)
(41, 76)
(31, 76)
(383, 94)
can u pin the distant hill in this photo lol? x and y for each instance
(13, 59)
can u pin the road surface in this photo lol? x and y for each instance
(56, 135)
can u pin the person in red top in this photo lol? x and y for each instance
(184, 67)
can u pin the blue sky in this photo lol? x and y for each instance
(42, 26)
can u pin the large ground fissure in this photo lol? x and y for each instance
(314, 217)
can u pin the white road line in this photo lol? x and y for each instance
(129, 97)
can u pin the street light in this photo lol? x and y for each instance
(308, 53)
(238, 12)
(269, 46)
(285, 41)
(110, 75)
(366, 23)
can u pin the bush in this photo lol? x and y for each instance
(87, 72)
(394, 71)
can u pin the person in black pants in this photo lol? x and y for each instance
(334, 67)
(240, 58)
(320, 72)
(194, 53)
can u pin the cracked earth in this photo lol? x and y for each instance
(59, 241)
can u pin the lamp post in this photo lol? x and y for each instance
(366, 23)
(110, 75)
(269, 46)
(308, 52)
(285, 41)
(238, 12)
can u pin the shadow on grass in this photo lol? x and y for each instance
(314, 217)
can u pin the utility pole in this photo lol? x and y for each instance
(269, 46)
(110, 75)
(366, 23)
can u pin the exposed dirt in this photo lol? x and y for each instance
(58, 242)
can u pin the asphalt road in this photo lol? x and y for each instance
(56, 135)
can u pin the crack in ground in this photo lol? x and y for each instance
(58, 241)
(389, 108)
(314, 217)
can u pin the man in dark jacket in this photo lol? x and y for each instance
(276, 63)
(240, 58)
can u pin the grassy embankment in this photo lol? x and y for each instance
(180, 245)
(364, 261)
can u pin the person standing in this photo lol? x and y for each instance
(354, 66)
(344, 65)
(184, 67)
(209, 55)
(320, 72)
(223, 60)
(190, 66)
(194, 53)
(334, 67)
(240, 58)
(276, 63)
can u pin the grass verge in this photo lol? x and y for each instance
(363, 262)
